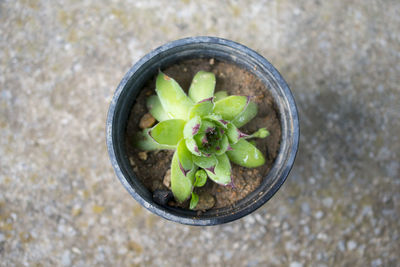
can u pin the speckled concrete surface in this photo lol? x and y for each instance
(60, 202)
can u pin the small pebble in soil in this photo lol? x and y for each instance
(259, 98)
(147, 121)
(162, 197)
(132, 161)
(206, 202)
(211, 61)
(142, 155)
(167, 178)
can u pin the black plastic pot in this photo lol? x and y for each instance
(189, 48)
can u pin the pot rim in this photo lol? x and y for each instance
(292, 149)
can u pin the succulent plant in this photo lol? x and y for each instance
(203, 129)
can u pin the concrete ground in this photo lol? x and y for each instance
(60, 202)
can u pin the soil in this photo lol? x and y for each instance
(236, 81)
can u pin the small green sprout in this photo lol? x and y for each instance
(200, 178)
(203, 129)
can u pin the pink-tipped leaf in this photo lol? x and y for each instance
(202, 86)
(168, 132)
(173, 99)
(222, 172)
(181, 185)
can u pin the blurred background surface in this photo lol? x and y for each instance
(60, 202)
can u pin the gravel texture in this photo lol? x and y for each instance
(62, 205)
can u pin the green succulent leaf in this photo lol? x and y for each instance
(202, 86)
(181, 185)
(206, 125)
(144, 141)
(155, 108)
(192, 127)
(168, 132)
(230, 107)
(249, 112)
(233, 133)
(193, 201)
(220, 95)
(245, 154)
(205, 162)
(261, 133)
(237, 109)
(202, 108)
(223, 145)
(192, 146)
(222, 171)
(217, 119)
(200, 178)
(199, 138)
(184, 157)
(173, 99)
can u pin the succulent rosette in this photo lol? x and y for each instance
(203, 129)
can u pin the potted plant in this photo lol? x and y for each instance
(201, 127)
